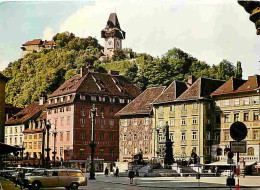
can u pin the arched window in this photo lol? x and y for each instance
(251, 151)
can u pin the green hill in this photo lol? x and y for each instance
(43, 72)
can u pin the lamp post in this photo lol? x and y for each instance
(48, 126)
(43, 143)
(93, 114)
(54, 132)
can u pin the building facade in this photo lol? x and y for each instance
(69, 107)
(238, 100)
(189, 115)
(3, 81)
(136, 126)
(113, 36)
(36, 45)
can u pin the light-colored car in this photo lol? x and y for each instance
(68, 178)
(227, 173)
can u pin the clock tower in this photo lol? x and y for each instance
(113, 36)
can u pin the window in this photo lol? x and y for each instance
(34, 145)
(111, 152)
(217, 103)
(171, 122)
(121, 101)
(194, 120)
(251, 151)
(49, 112)
(101, 136)
(194, 135)
(195, 106)
(21, 139)
(112, 100)
(172, 108)
(102, 121)
(68, 136)
(30, 145)
(184, 107)
(39, 144)
(62, 99)
(15, 129)
(135, 137)
(68, 120)
(226, 102)
(135, 122)
(207, 135)
(135, 150)
(226, 118)
(208, 120)
(171, 136)
(82, 121)
(183, 150)
(246, 101)
(255, 116)
(160, 122)
(56, 100)
(146, 121)
(256, 136)
(125, 150)
(61, 121)
(160, 110)
(146, 150)
(111, 110)
(208, 150)
(35, 136)
(183, 121)
(246, 116)
(82, 135)
(124, 122)
(82, 97)
(125, 138)
(183, 136)
(11, 130)
(236, 102)
(160, 137)
(68, 97)
(101, 152)
(93, 98)
(256, 100)
(15, 140)
(61, 136)
(21, 129)
(226, 136)
(5, 140)
(68, 108)
(102, 99)
(145, 136)
(111, 122)
(236, 117)
(111, 136)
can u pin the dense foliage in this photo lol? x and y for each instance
(43, 72)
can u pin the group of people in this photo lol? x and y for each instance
(116, 172)
(131, 174)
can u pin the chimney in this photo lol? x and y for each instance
(115, 73)
(191, 80)
(83, 71)
(42, 100)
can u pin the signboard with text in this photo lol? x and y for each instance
(238, 146)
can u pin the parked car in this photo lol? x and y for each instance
(68, 178)
(227, 173)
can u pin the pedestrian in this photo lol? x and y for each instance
(131, 175)
(117, 172)
(106, 172)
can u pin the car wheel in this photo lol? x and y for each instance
(36, 185)
(74, 186)
(68, 188)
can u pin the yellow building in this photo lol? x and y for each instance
(188, 110)
(3, 81)
(238, 100)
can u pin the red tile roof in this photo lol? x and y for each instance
(142, 103)
(230, 86)
(201, 88)
(173, 91)
(33, 42)
(26, 114)
(252, 83)
(98, 84)
(48, 42)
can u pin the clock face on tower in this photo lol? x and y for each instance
(118, 43)
(110, 43)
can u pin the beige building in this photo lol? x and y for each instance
(136, 126)
(189, 115)
(238, 100)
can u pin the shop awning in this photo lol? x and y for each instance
(6, 149)
(220, 163)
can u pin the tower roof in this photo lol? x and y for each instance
(113, 21)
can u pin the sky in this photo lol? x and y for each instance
(210, 30)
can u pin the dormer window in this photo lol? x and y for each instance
(68, 98)
(62, 99)
(56, 100)
(82, 97)
(102, 99)
(93, 98)
(121, 101)
(112, 100)
(50, 101)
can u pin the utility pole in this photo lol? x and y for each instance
(92, 144)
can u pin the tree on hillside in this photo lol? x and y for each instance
(226, 69)
(62, 39)
(119, 55)
(239, 71)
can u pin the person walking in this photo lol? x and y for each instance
(131, 175)
(117, 172)
(106, 172)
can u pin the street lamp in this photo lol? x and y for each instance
(48, 126)
(93, 114)
(54, 132)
